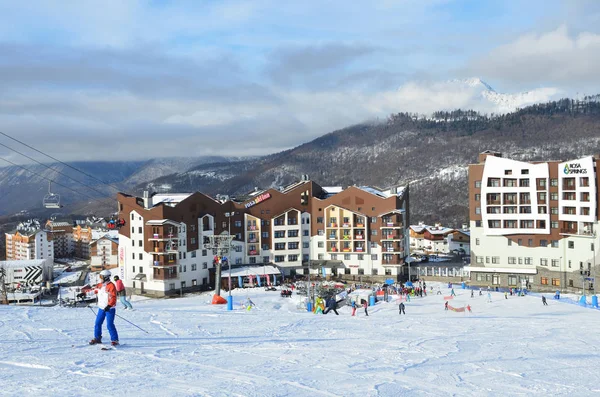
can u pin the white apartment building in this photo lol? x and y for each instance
(533, 223)
(29, 244)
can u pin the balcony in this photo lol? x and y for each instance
(332, 249)
(332, 237)
(164, 275)
(359, 249)
(393, 236)
(332, 225)
(359, 225)
(252, 240)
(165, 263)
(162, 237)
(359, 237)
(346, 237)
(391, 262)
(252, 252)
(252, 227)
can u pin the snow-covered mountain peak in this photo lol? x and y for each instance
(471, 93)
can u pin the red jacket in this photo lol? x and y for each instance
(106, 291)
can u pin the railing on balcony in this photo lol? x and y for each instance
(568, 186)
(391, 262)
(252, 240)
(252, 252)
(346, 237)
(333, 249)
(332, 225)
(206, 228)
(252, 227)
(359, 249)
(332, 237)
(567, 230)
(359, 237)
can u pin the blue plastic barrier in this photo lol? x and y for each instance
(309, 307)
(463, 285)
(240, 282)
(595, 301)
(371, 300)
(583, 301)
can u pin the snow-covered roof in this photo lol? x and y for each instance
(500, 270)
(160, 222)
(374, 191)
(439, 230)
(169, 198)
(99, 233)
(59, 224)
(292, 186)
(251, 271)
(418, 228)
(23, 263)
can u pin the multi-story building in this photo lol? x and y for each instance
(164, 245)
(29, 244)
(61, 234)
(533, 223)
(82, 238)
(104, 253)
(438, 239)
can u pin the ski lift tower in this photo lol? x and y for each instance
(220, 246)
(3, 293)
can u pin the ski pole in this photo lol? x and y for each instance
(124, 319)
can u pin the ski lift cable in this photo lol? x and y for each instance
(51, 180)
(61, 162)
(53, 169)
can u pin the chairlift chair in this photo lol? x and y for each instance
(52, 200)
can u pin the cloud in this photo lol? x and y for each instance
(555, 57)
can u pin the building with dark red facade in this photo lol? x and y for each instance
(359, 230)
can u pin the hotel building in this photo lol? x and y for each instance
(533, 223)
(30, 244)
(359, 230)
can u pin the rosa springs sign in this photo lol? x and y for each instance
(258, 199)
(574, 168)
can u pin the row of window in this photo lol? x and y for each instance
(584, 181)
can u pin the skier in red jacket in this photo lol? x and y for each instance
(107, 300)
(121, 293)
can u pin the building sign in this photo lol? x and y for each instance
(121, 256)
(574, 168)
(258, 199)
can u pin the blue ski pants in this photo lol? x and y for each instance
(110, 324)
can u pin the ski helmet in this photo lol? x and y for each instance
(105, 275)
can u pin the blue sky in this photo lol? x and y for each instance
(166, 78)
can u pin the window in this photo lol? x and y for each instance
(554, 225)
(361, 257)
(141, 269)
(346, 257)
(512, 280)
(584, 181)
(252, 260)
(555, 263)
(591, 246)
(373, 232)
(133, 243)
(507, 172)
(131, 216)
(477, 184)
(319, 219)
(524, 172)
(140, 229)
(496, 260)
(321, 244)
(487, 259)
(305, 233)
(569, 264)
(132, 229)
(133, 256)
(479, 259)
(292, 258)
(334, 257)
(279, 234)
(477, 223)
(293, 246)
(512, 260)
(320, 257)
(279, 246)
(237, 223)
(320, 232)
(292, 233)
(374, 257)
(571, 244)
(204, 265)
(543, 262)
(493, 182)
(553, 196)
(141, 256)
(204, 253)
(477, 197)
(543, 243)
(305, 245)
(494, 224)
(523, 182)
(528, 261)
(478, 210)
(373, 219)
(279, 258)
(554, 243)
(556, 282)
(541, 182)
(265, 259)
(476, 241)
(193, 266)
(509, 242)
(530, 242)
(553, 182)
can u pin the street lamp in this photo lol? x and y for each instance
(229, 297)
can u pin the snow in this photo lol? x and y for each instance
(511, 346)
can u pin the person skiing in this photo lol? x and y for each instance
(121, 293)
(331, 305)
(489, 295)
(472, 293)
(544, 300)
(505, 295)
(365, 305)
(249, 304)
(480, 292)
(353, 307)
(446, 305)
(107, 301)
(401, 308)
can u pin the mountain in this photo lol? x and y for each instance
(432, 154)
(24, 189)
(472, 93)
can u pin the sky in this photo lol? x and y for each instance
(188, 347)
(144, 79)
